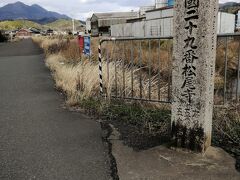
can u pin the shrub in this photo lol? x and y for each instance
(2, 37)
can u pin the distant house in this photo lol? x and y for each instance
(238, 20)
(35, 31)
(101, 22)
(49, 32)
(10, 34)
(24, 33)
(88, 25)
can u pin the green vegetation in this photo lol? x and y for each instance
(61, 24)
(149, 120)
(141, 126)
(2, 37)
(18, 24)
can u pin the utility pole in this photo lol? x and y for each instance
(73, 24)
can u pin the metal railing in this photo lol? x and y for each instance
(140, 68)
(227, 69)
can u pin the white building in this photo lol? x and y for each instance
(161, 3)
(88, 25)
(226, 23)
(102, 22)
(238, 20)
(159, 22)
(144, 9)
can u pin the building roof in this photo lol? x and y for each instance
(35, 30)
(146, 8)
(27, 30)
(116, 15)
(136, 19)
(159, 9)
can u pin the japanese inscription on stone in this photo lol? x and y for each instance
(188, 88)
(193, 71)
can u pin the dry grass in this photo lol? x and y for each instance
(227, 124)
(145, 59)
(119, 54)
(72, 78)
(79, 78)
(226, 130)
(81, 81)
(232, 55)
(232, 68)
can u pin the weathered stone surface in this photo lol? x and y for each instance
(161, 163)
(193, 73)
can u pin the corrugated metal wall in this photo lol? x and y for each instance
(157, 27)
(138, 29)
(226, 23)
(159, 14)
(164, 26)
(109, 22)
(238, 19)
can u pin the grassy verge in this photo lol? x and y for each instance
(141, 125)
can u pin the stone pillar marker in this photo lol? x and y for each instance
(194, 53)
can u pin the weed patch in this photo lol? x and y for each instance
(226, 130)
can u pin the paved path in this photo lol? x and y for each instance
(38, 138)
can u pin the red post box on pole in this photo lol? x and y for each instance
(81, 43)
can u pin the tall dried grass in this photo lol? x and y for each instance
(81, 81)
(232, 56)
(79, 78)
(119, 54)
(158, 60)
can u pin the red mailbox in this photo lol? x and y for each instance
(81, 43)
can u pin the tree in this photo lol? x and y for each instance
(2, 37)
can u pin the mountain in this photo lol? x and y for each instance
(230, 7)
(34, 13)
(46, 20)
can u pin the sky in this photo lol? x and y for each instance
(81, 9)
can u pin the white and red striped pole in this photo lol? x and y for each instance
(100, 69)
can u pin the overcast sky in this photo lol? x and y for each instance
(81, 9)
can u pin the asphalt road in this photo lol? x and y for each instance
(40, 140)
